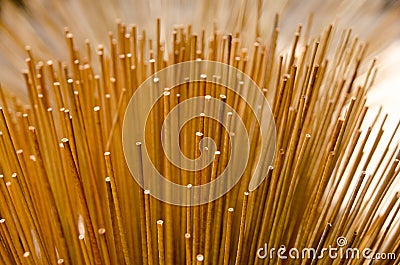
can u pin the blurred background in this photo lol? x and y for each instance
(40, 24)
